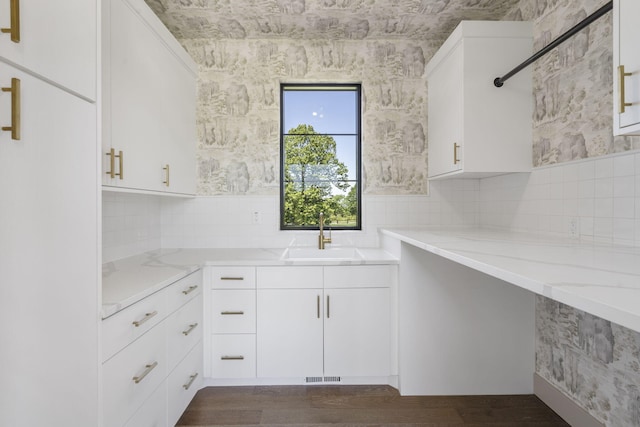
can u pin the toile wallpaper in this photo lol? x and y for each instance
(246, 48)
(239, 112)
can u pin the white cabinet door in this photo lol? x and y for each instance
(626, 40)
(49, 265)
(357, 332)
(445, 115)
(149, 93)
(57, 41)
(289, 333)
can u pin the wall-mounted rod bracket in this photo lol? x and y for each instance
(499, 81)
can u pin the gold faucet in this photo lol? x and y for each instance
(321, 239)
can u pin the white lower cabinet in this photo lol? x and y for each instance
(152, 358)
(357, 332)
(290, 333)
(132, 375)
(302, 323)
(183, 383)
(233, 356)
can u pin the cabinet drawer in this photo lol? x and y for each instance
(184, 331)
(132, 375)
(233, 356)
(233, 278)
(309, 277)
(183, 291)
(125, 326)
(359, 276)
(233, 312)
(183, 383)
(152, 413)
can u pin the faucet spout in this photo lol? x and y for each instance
(321, 239)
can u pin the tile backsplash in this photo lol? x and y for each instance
(593, 200)
(130, 224)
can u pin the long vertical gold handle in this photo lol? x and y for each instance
(328, 308)
(621, 75)
(192, 378)
(148, 368)
(455, 153)
(166, 175)
(15, 109)
(120, 157)
(14, 30)
(112, 163)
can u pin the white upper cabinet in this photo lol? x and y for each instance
(626, 67)
(149, 91)
(475, 128)
(53, 39)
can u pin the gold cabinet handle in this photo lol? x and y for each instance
(112, 163)
(455, 153)
(166, 175)
(120, 157)
(15, 109)
(144, 319)
(14, 29)
(232, 358)
(231, 278)
(192, 378)
(191, 328)
(622, 104)
(190, 289)
(232, 313)
(148, 368)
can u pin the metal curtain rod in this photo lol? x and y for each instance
(499, 81)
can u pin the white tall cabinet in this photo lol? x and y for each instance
(626, 64)
(49, 217)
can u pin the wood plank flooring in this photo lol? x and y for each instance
(355, 406)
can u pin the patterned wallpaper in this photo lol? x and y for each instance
(572, 84)
(238, 108)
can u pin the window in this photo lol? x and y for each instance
(320, 156)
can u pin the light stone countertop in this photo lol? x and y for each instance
(600, 279)
(128, 280)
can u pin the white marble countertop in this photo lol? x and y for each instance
(600, 279)
(126, 281)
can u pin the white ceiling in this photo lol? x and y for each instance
(323, 19)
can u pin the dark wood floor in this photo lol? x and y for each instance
(351, 406)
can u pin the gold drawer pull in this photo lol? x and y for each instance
(623, 104)
(190, 289)
(192, 378)
(15, 109)
(144, 319)
(232, 358)
(191, 328)
(148, 368)
(232, 313)
(231, 278)
(166, 175)
(14, 30)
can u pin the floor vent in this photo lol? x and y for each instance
(313, 379)
(332, 379)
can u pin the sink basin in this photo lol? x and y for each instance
(322, 254)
